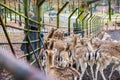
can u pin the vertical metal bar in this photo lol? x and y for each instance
(78, 17)
(83, 24)
(26, 13)
(87, 24)
(27, 37)
(94, 23)
(91, 24)
(58, 15)
(15, 9)
(58, 21)
(5, 12)
(6, 34)
(10, 12)
(19, 10)
(38, 19)
(70, 20)
(26, 25)
(109, 4)
(69, 26)
(39, 12)
(60, 12)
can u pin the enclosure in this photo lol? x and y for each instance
(26, 26)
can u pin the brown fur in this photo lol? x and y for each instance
(50, 35)
(109, 51)
(58, 34)
(59, 45)
(63, 73)
(57, 73)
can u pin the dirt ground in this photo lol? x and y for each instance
(115, 34)
(14, 37)
(115, 76)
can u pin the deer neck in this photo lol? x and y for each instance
(75, 41)
(49, 62)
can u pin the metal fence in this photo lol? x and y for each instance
(13, 36)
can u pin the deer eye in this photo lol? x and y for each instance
(56, 58)
(59, 58)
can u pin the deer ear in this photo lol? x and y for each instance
(82, 42)
(46, 52)
(70, 53)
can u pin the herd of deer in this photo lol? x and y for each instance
(60, 54)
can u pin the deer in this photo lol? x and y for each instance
(81, 55)
(59, 73)
(107, 53)
(42, 59)
(102, 60)
(116, 65)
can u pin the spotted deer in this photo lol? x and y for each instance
(106, 54)
(59, 73)
(81, 55)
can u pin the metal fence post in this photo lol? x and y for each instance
(91, 23)
(83, 24)
(94, 25)
(5, 12)
(88, 25)
(70, 20)
(26, 25)
(60, 12)
(40, 2)
(109, 7)
(15, 10)
(19, 10)
(78, 18)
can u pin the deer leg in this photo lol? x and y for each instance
(87, 73)
(91, 68)
(77, 66)
(97, 69)
(83, 69)
(102, 73)
(113, 69)
(75, 78)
